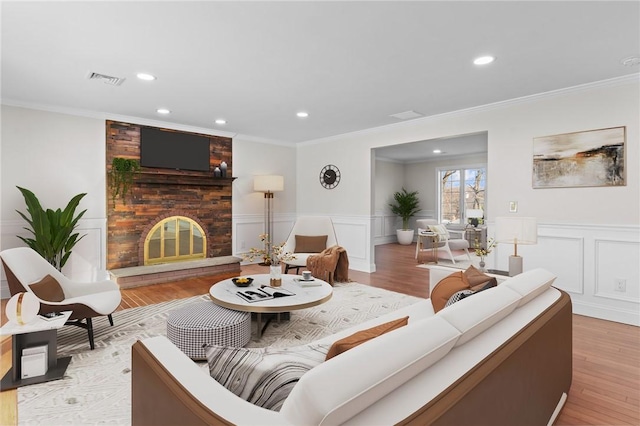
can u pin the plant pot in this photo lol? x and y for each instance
(405, 237)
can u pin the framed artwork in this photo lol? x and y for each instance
(589, 158)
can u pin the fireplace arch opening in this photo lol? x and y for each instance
(175, 239)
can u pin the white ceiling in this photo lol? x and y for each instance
(349, 64)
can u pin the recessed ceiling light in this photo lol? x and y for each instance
(302, 114)
(221, 121)
(437, 151)
(145, 76)
(484, 60)
(163, 111)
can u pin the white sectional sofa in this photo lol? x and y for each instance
(500, 357)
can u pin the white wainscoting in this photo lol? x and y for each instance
(385, 225)
(353, 233)
(587, 259)
(87, 261)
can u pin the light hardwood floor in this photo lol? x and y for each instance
(606, 355)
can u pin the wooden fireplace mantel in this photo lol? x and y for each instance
(180, 178)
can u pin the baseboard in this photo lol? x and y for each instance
(615, 314)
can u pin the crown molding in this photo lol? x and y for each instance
(258, 139)
(617, 81)
(116, 117)
(613, 82)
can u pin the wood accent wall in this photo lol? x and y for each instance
(157, 192)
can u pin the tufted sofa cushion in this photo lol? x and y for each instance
(473, 315)
(317, 400)
(531, 284)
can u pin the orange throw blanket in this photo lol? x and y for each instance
(332, 264)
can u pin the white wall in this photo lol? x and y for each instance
(511, 127)
(252, 158)
(388, 177)
(56, 156)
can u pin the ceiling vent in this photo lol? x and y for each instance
(106, 79)
(630, 61)
(407, 115)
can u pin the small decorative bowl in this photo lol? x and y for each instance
(242, 281)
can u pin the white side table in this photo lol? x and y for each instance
(38, 332)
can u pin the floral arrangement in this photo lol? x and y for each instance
(482, 252)
(271, 254)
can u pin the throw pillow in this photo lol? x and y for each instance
(458, 296)
(310, 244)
(262, 376)
(463, 294)
(493, 282)
(441, 230)
(359, 337)
(48, 289)
(447, 286)
(476, 278)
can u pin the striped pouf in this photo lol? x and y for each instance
(207, 323)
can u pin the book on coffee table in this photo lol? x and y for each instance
(307, 283)
(263, 293)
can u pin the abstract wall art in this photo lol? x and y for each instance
(589, 158)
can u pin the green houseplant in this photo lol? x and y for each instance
(121, 177)
(52, 230)
(406, 204)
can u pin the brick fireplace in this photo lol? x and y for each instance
(159, 193)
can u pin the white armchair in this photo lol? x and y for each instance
(307, 238)
(25, 268)
(448, 240)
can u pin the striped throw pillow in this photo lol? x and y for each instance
(263, 376)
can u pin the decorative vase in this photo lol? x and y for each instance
(275, 275)
(482, 264)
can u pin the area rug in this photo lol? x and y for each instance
(96, 388)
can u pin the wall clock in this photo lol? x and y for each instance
(329, 176)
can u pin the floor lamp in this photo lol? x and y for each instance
(516, 230)
(268, 184)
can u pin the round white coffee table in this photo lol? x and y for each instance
(304, 295)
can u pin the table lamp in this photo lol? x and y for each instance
(22, 308)
(474, 216)
(516, 230)
(268, 184)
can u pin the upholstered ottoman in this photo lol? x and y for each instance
(205, 322)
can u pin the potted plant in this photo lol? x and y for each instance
(406, 205)
(52, 230)
(121, 177)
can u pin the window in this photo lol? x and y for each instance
(460, 189)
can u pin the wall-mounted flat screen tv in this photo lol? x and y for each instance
(173, 150)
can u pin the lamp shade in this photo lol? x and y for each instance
(268, 183)
(22, 308)
(517, 230)
(474, 213)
